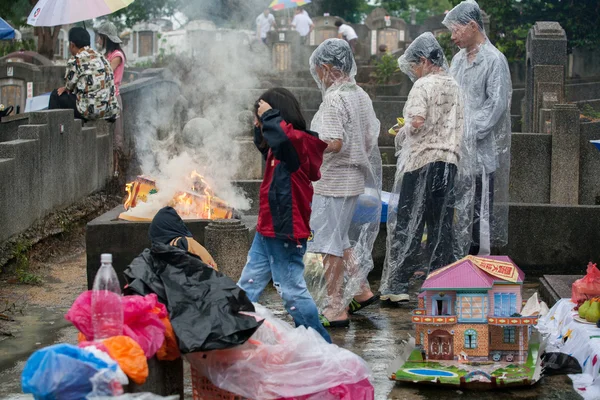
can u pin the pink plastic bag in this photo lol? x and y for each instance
(588, 286)
(281, 362)
(140, 322)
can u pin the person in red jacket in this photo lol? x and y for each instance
(293, 158)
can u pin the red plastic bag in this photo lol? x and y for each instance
(140, 322)
(588, 286)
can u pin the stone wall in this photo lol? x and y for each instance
(530, 168)
(589, 165)
(51, 163)
(548, 238)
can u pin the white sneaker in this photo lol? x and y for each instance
(396, 298)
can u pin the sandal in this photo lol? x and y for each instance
(343, 323)
(356, 306)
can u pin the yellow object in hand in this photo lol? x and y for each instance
(396, 128)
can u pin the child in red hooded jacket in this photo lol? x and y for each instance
(293, 158)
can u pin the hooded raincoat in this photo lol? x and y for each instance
(346, 209)
(484, 77)
(429, 148)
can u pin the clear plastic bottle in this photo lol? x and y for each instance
(107, 308)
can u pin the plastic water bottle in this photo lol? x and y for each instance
(107, 308)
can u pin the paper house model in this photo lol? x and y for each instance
(469, 310)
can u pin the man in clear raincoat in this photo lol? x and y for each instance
(429, 148)
(483, 74)
(346, 207)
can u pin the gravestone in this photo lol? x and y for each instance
(545, 78)
(564, 177)
(285, 51)
(386, 30)
(324, 29)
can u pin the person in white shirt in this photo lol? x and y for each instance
(303, 24)
(264, 23)
(347, 33)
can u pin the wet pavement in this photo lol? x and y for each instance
(375, 334)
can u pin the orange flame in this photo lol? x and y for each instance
(199, 202)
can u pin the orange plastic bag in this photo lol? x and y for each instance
(130, 357)
(588, 286)
(169, 350)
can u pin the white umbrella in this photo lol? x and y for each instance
(64, 12)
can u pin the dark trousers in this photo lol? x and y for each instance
(482, 213)
(353, 43)
(68, 101)
(426, 197)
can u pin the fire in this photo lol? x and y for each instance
(198, 202)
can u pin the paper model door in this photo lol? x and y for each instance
(441, 345)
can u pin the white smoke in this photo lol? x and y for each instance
(215, 71)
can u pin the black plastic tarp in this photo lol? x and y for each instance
(203, 304)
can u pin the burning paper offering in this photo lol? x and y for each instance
(196, 201)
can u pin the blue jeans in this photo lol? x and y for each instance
(283, 261)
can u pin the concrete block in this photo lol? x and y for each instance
(126, 240)
(123, 239)
(20, 186)
(530, 168)
(549, 238)
(556, 287)
(388, 176)
(227, 241)
(564, 181)
(589, 165)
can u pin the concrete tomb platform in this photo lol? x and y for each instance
(556, 287)
(125, 240)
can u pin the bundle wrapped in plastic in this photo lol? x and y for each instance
(483, 74)
(66, 372)
(430, 148)
(281, 362)
(346, 207)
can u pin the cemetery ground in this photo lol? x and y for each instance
(33, 317)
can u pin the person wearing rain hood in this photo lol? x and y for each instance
(167, 227)
(484, 77)
(428, 148)
(293, 156)
(351, 168)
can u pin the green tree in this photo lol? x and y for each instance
(144, 10)
(510, 21)
(422, 9)
(350, 10)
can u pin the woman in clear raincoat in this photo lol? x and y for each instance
(482, 72)
(346, 207)
(430, 148)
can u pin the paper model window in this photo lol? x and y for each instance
(505, 304)
(470, 339)
(441, 305)
(509, 334)
(472, 308)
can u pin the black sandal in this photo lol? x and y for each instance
(343, 323)
(356, 306)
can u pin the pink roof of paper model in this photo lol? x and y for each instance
(465, 275)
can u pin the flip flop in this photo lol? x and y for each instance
(356, 306)
(343, 323)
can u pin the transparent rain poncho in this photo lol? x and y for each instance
(482, 72)
(346, 207)
(426, 214)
